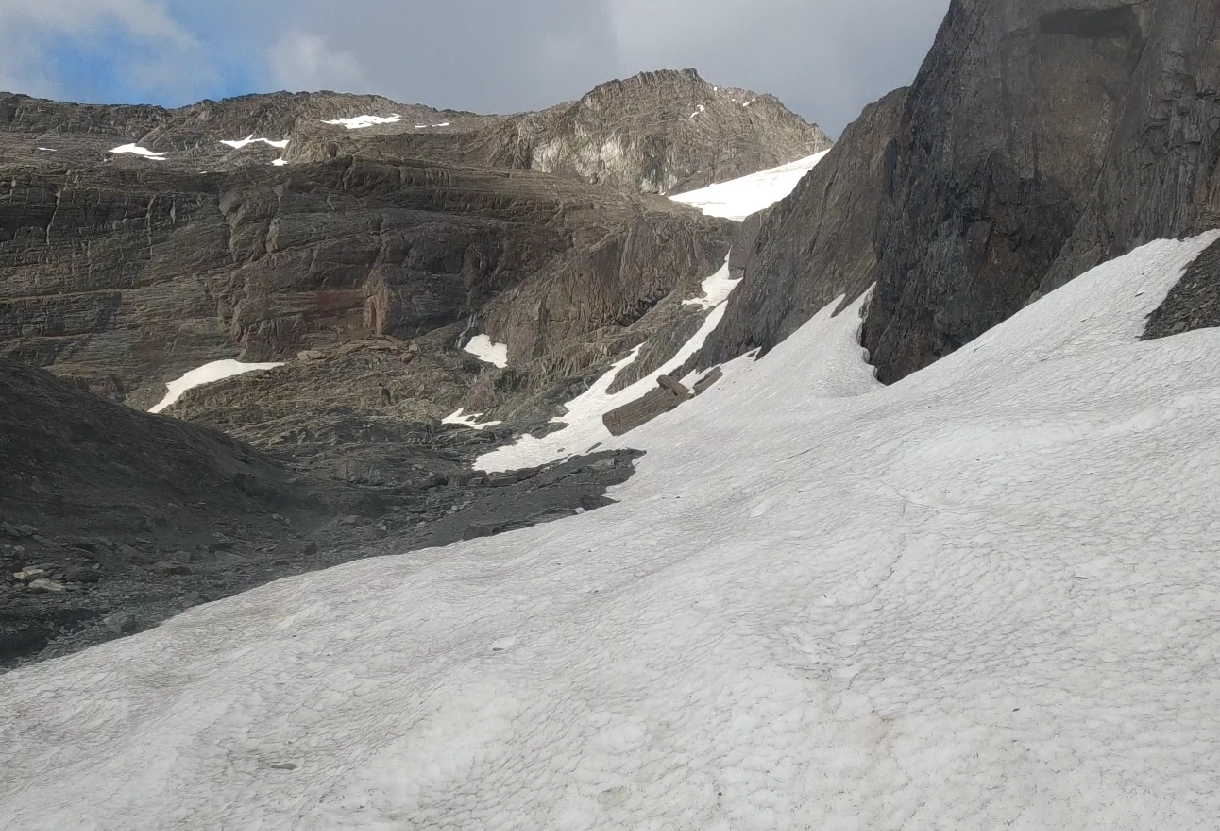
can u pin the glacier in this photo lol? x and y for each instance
(984, 597)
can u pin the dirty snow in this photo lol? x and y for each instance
(487, 350)
(464, 419)
(984, 597)
(207, 374)
(136, 150)
(248, 140)
(748, 195)
(362, 121)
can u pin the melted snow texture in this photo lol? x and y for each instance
(361, 122)
(488, 351)
(982, 598)
(207, 374)
(748, 195)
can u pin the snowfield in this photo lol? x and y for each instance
(748, 195)
(986, 597)
(207, 374)
(488, 351)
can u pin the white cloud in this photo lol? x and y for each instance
(169, 59)
(302, 61)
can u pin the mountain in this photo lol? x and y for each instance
(982, 597)
(1038, 140)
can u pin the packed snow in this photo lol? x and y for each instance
(361, 122)
(985, 597)
(716, 289)
(464, 419)
(207, 374)
(748, 195)
(136, 150)
(488, 351)
(239, 144)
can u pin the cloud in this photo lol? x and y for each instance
(301, 61)
(132, 43)
(825, 58)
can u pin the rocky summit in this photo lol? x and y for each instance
(357, 250)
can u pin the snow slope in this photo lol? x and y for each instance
(207, 374)
(748, 195)
(488, 351)
(985, 597)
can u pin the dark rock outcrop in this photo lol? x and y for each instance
(1038, 140)
(1194, 303)
(817, 245)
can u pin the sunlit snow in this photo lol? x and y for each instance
(48, 149)
(464, 419)
(362, 121)
(136, 150)
(279, 162)
(207, 374)
(248, 140)
(487, 350)
(748, 195)
(982, 598)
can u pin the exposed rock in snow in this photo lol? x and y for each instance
(462, 419)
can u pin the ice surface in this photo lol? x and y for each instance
(748, 195)
(464, 419)
(982, 598)
(206, 374)
(238, 144)
(485, 349)
(139, 151)
(363, 121)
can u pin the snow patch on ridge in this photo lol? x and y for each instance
(361, 122)
(136, 150)
(488, 351)
(748, 195)
(207, 374)
(464, 419)
(248, 140)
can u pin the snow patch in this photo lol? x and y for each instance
(239, 144)
(487, 350)
(748, 195)
(279, 162)
(136, 150)
(207, 374)
(464, 419)
(984, 597)
(361, 122)
(48, 149)
(716, 289)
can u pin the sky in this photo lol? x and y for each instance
(825, 59)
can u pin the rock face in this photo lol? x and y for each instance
(1040, 138)
(657, 132)
(818, 244)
